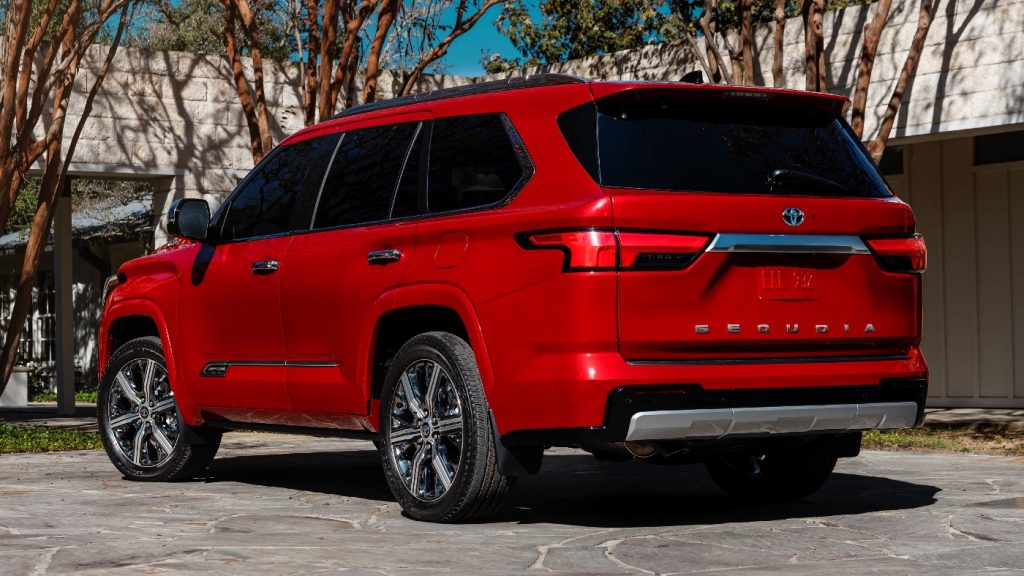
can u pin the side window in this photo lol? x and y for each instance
(407, 202)
(275, 198)
(361, 181)
(472, 163)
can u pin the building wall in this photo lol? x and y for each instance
(972, 218)
(86, 296)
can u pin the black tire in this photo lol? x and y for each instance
(477, 489)
(192, 449)
(779, 475)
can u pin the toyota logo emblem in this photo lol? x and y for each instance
(793, 216)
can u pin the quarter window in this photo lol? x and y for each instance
(272, 200)
(472, 163)
(360, 184)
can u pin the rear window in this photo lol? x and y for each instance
(659, 140)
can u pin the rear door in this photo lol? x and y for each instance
(355, 253)
(773, 204)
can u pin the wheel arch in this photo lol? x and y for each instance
(132, 318)
(413, 310)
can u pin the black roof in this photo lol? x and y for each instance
(514, 83)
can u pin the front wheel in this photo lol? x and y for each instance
(436, 440)
(139, 421)
(777, 475)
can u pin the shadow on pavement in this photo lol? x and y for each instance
(578, 490)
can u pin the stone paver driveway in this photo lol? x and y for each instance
(291, 505)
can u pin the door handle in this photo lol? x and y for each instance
(381, 257)
(265, 266)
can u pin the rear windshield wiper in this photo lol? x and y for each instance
(795, 179)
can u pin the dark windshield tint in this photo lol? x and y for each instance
(662, 141)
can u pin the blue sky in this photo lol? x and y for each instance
(464, 55)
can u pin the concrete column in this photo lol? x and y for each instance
(63, 284)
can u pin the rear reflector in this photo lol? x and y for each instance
(596, 249)
(904, 254)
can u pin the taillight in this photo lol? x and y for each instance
(584, 249)
(654, 251)
(902, 254)
(598, 249)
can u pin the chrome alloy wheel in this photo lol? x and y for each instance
(426, 433)
(142, 418)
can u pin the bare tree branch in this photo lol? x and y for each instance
(461, 27)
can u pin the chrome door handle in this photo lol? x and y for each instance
(265, 266)
(384, 256)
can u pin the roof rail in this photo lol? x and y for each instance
(513, 83)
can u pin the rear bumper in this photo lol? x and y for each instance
(769, 420)
(690, 412)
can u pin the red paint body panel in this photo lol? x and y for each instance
(550, 344)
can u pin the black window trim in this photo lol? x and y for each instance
(518, 147)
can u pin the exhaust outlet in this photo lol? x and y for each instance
(641, 449)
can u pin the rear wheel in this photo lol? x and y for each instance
(436, 442)
(139, 421)
(775, 476)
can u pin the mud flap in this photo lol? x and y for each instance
(517, 461)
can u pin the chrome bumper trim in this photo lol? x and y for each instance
(788, 243)
(766, 421)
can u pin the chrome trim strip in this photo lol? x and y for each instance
(220, 369)
(788, 243)
(766, 421)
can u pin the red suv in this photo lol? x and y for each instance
(669, 271)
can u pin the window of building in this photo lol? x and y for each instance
(472, 163)
(360, 184)
(892, 161)
(998, 148)
(270, 200)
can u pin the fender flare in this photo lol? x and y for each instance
(432, 294)
(136, 306)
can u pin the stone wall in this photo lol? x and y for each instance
(175, 116)
(971, 73)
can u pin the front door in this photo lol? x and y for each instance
(231, 301)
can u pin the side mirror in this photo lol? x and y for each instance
(189, 218)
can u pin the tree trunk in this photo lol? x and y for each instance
(746, 43)
(54, 173)
(814, 45)
(924, 21)
(710, 28)
(312, 76)
(385, 19)
(253, 108)
(262, 118)
(778, 80)
(328, 40)
(869, 49)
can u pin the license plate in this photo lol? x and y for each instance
(787, 284)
